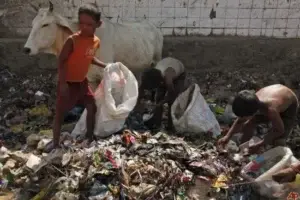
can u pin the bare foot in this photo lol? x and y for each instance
(86, 143)
(50, 147)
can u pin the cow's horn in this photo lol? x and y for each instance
(35, 8)
(50, 6)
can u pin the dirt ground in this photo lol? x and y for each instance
(221, 66)
(225, 65)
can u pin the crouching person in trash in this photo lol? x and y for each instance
(77, 55)
(275, 103)
(168, 79)
(287, 175)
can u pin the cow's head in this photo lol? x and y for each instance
(44, 32)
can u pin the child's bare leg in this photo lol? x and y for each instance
(90, 105)
(61, 108)
(64, 103)
(170, 126)
(179, 86)
(90, 118)
(57, 127)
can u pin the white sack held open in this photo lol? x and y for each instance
(272, 161)
(190, 113)
(115, 98)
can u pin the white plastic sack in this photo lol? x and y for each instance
(264, 183)
(115, 98)
(190, 113)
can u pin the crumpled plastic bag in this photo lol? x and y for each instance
(115, 98)
(190, 113)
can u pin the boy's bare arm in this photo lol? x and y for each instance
(99, 63)
(170, 87)
(236, 126)
(64, 55)
(169, 83)
(277, 126)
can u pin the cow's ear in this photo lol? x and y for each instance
(51, 7)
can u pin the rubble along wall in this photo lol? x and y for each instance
(197, 53)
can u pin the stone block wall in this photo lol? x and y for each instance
(271, 18)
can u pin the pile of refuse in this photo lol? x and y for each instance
(130, 165)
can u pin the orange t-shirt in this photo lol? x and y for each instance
(84, 50)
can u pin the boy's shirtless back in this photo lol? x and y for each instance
(276, 105)
(278, 97)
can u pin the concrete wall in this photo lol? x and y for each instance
(277, 18)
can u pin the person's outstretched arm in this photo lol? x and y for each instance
(288, 174)
(98, 62)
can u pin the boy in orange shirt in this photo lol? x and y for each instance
(75, 58)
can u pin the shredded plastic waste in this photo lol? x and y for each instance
(133, 164)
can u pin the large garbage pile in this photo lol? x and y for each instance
(130, 165)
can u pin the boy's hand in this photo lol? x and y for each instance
(99, 63)
(285, 176)
(104, 65)
(223, 142)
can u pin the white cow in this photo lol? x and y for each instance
(137, 45)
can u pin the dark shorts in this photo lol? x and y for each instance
(289, 117)
(78, 93)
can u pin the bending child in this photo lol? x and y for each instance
(168, 79)
(275, 103)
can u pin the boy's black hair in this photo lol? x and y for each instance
(91, 10)
(151, 78)
(245, 103)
